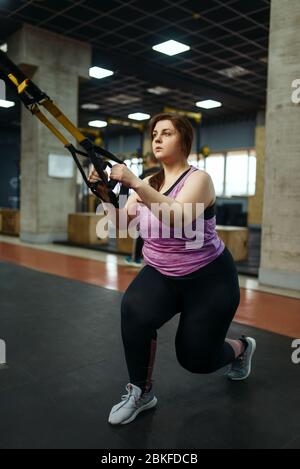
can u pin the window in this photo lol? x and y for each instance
(252, 173)
(233, 173)
(192, 159)
(214, 165)
(135, 165)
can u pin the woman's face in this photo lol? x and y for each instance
(166, 141)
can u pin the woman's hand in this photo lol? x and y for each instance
(123, 175)
(102, 189)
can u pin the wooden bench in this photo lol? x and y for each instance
(236, 240)
(82, 229)
(9, 221)
(124, 245)
(234, 237)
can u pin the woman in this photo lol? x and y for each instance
(200, 283)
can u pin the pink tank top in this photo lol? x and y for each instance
(179, 256)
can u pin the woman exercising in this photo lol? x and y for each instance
(180, 276)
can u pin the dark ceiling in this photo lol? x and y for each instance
(221, 34)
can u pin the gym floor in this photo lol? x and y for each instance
(60, 319)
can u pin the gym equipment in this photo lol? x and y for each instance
(32, 97)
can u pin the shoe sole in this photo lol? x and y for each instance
(253, 343)
(150, 405)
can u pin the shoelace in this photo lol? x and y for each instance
(126, 397)
(239, 362)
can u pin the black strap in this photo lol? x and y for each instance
(209, 212)
(175, 183)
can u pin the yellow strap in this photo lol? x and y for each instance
(21, 86)
(38, 113)
(65, 122)
(54, 111)
(13, 79)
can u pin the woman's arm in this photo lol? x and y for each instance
(121, 217)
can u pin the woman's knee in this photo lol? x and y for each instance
(134, 311)
(203, 364)
(129, 306)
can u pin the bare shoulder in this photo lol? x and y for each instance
(200, 176)
(198, 188)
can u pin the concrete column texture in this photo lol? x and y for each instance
(280, 250)
(255, 202)
(55, 63)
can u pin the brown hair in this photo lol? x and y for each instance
(185, 129)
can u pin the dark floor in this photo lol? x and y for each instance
(66, 369)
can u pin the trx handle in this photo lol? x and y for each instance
(32, 97)
(13, 77)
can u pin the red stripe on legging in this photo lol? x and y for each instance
(151, 365)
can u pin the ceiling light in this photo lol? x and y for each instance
(3, 47)
(98, 124)
(90, 106)
(98, 72)
(158, 90)
(6, 104)
(232, 72)
(123, 99)
(139, 116)
(208, 104)
(171, 47)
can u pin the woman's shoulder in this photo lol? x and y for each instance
(201, 177)
(199, 174)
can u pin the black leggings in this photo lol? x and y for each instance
(207, 300)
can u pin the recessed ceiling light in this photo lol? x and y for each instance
(158, 90)
(90, 106)
(6, 104)
(3, 47)
(232, 72)
(123, 99)
(208, 104)
(139, 116)
(171, 47)
(98, 124)
(98, 72)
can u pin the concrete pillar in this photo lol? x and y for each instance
(55, 63)
(255, 202)
(280, 251)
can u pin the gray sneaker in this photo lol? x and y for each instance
(131, 405)
(241, 367)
